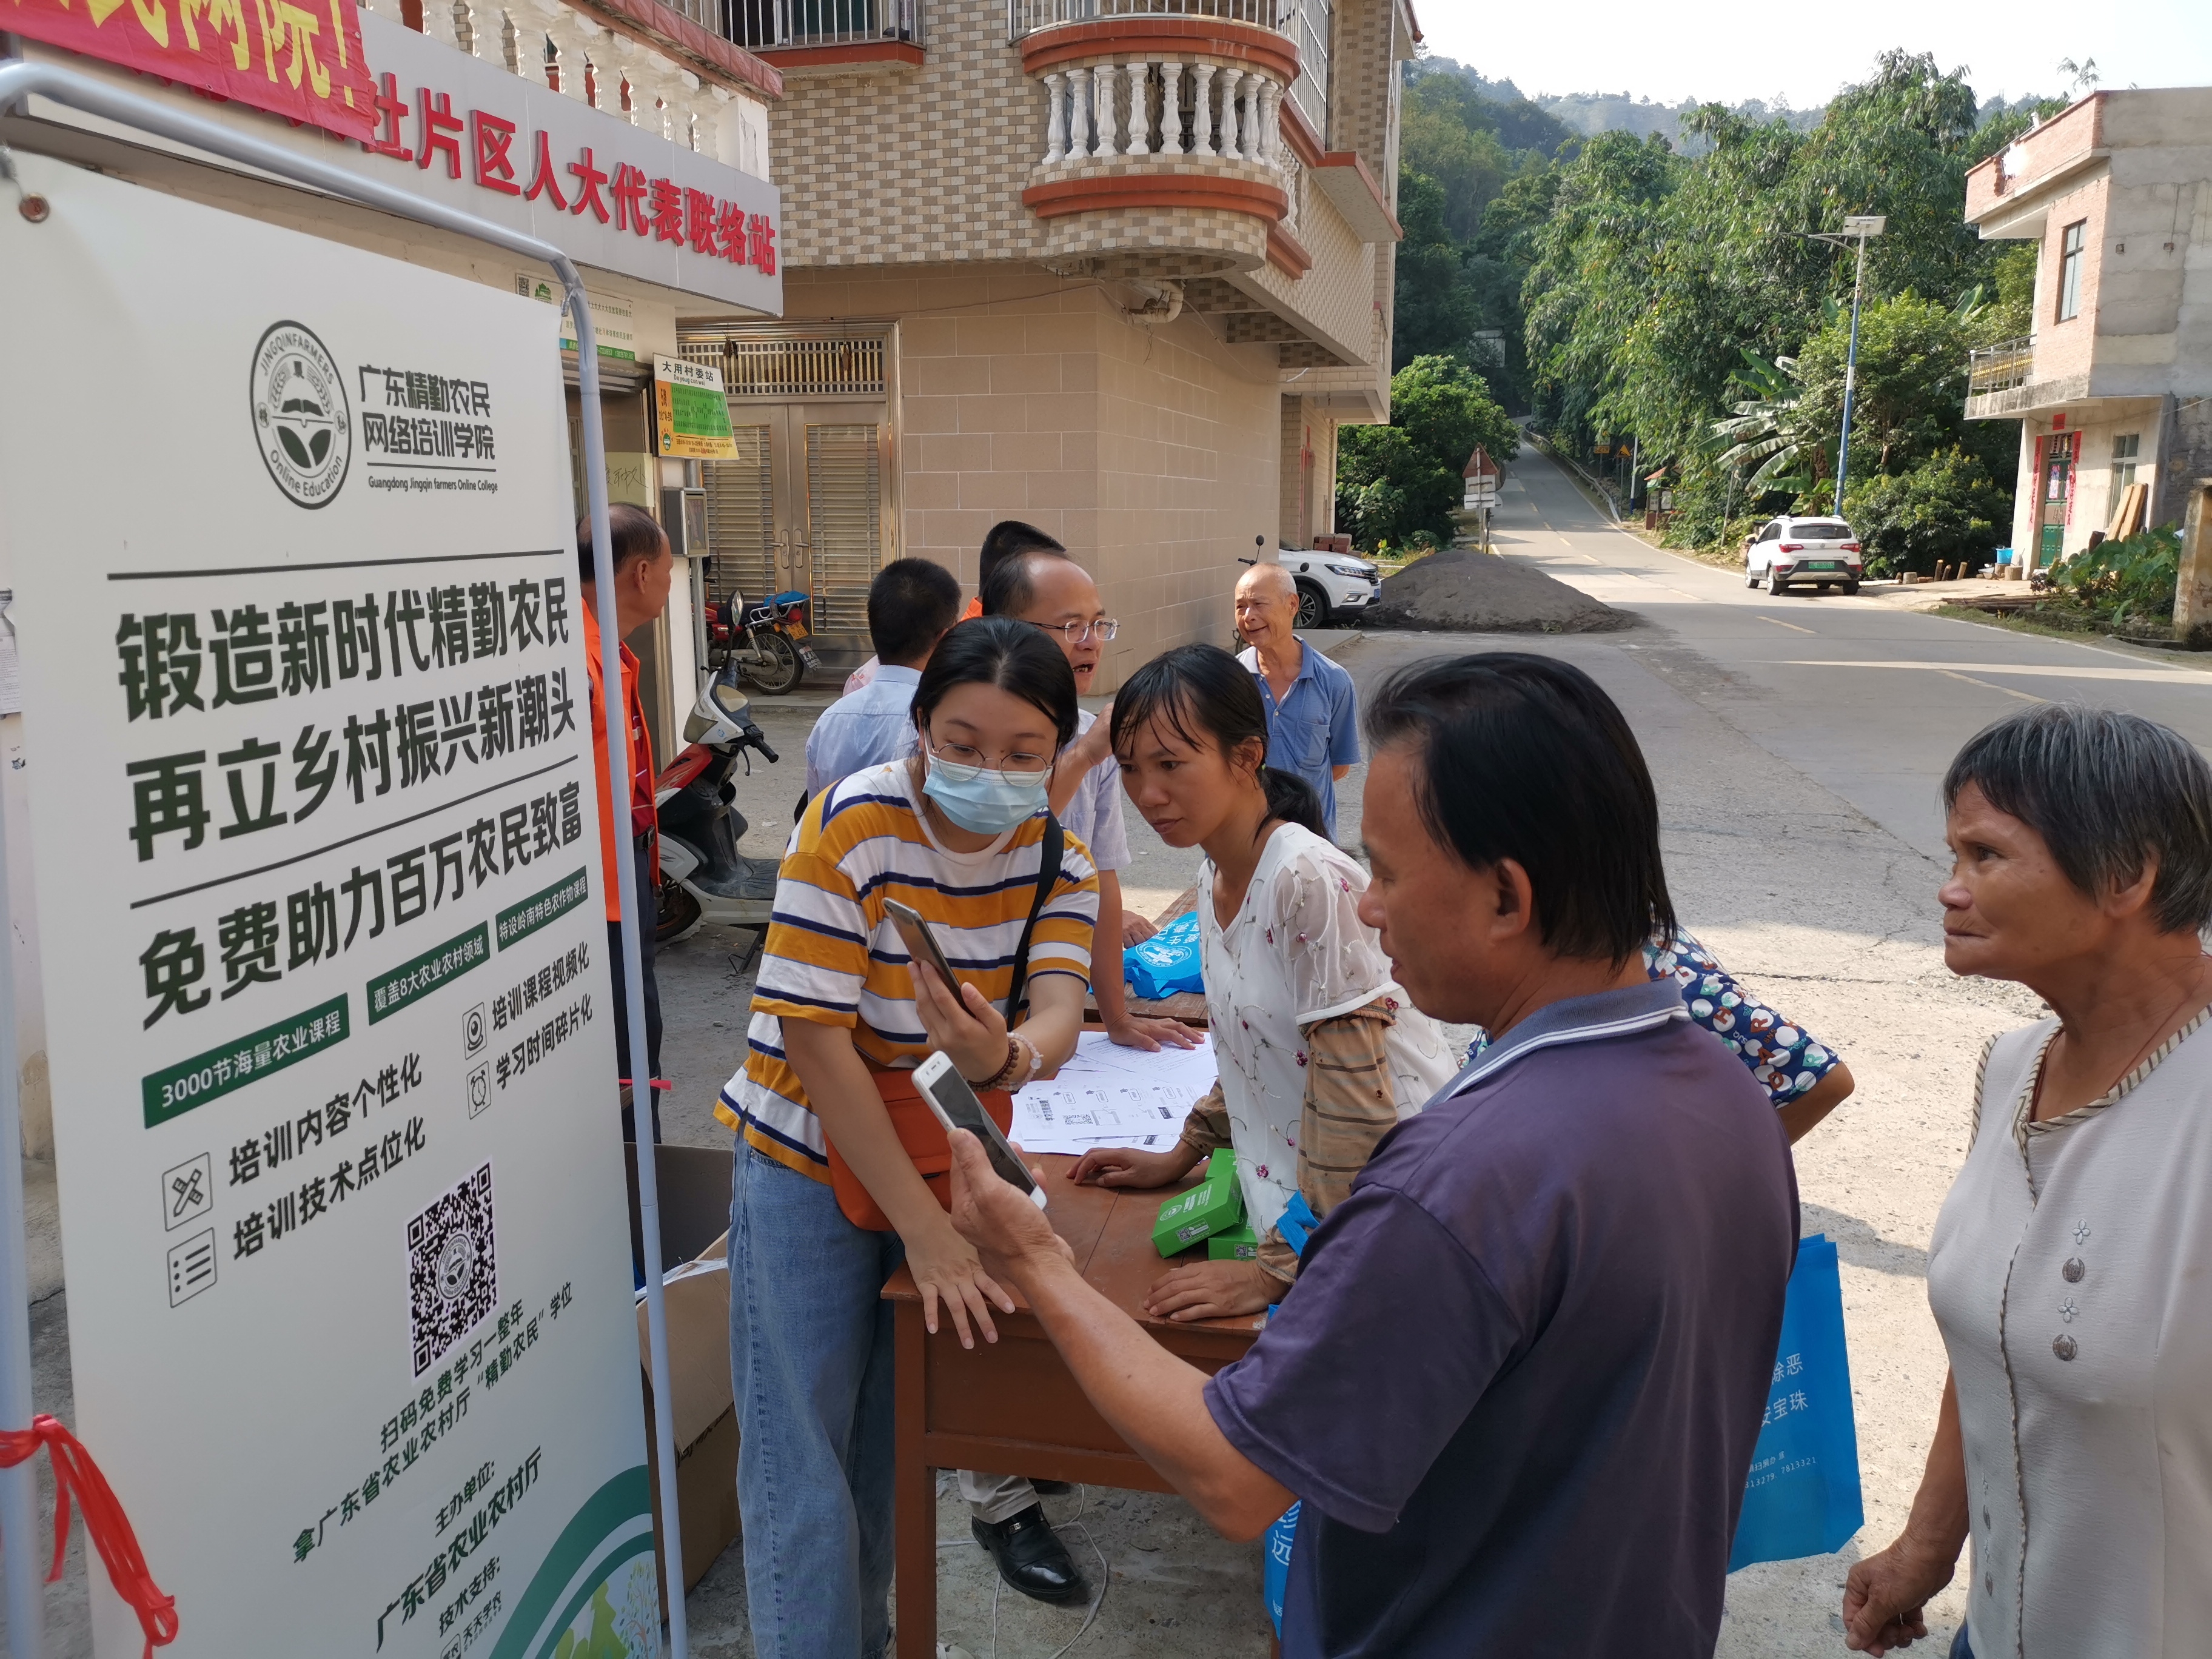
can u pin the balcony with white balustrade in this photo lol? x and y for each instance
(1162, 152)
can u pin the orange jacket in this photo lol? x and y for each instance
(643, 815)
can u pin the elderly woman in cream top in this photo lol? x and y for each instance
(2071, 1266)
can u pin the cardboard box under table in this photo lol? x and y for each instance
(695, 1222)
(1012, 1407)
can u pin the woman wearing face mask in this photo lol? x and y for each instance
(827, 1201)
(1320, 1053)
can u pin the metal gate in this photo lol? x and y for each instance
(808, 503)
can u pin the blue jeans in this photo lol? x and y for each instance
(1960, 1646)
(810, 1361)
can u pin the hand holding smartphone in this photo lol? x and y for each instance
(957, 1108)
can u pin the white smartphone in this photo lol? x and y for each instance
(957, 1108)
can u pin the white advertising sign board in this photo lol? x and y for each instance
(315, 827)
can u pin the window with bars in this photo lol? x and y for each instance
(793, 366)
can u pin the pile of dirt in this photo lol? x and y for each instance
(1468, 593)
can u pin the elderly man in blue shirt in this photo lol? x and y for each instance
(1313, 713)
(911, 605)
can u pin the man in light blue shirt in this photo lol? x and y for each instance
(1313, 713)
(911, 604)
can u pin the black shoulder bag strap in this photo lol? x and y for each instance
(1047, 878)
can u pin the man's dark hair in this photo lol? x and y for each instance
(2107, 790)
(1020, 660)
(636, 533)
(910, 602)
(1524, 757)
(1011, 587)
(1004, 540)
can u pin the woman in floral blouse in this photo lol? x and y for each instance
(1802, 1075)
(1320, 1052)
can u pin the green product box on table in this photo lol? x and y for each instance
(1237, 1244)
(1215, 1205)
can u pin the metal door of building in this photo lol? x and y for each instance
(2055, 503)
(806, 505)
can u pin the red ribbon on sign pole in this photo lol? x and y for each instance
(104, 1522)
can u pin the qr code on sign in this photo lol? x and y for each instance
(453, 1276)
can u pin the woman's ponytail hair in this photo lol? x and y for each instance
(1291, 798)
(1205, 696)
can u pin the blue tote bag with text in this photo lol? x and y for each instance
(1802, 1495)
(1167, 963)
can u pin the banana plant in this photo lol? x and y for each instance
(1771, 430)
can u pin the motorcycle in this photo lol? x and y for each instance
(767, 643)
(703, 876)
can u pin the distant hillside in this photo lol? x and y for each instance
(1591, 112)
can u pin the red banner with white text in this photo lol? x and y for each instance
(302, 61)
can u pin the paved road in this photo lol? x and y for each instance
(1797, 746)
(1868, 699)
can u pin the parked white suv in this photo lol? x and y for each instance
(1329, 584)
(1816, 553)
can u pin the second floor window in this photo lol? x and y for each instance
(2069, 269)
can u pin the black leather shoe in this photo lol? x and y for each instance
(1030, 1557)
(1051, 1488)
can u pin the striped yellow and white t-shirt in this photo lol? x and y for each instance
(833, 955)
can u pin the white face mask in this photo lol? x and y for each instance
(983, 801)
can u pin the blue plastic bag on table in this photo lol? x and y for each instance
(1167, 961)
(1802, 1495)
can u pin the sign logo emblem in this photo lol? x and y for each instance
(301, 421)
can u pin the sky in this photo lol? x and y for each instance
(1729, 50)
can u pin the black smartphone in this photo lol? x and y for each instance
(957, 1108)
(921, 944)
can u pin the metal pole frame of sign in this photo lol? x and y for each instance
(18, 1490)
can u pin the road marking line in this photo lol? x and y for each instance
(2147, 675)
(2025, 696)
(1778, 622)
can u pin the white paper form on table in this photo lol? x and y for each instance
(1110, 1096)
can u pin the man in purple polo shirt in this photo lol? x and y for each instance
(1519, 1379)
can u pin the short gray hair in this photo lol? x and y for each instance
(2105, 790)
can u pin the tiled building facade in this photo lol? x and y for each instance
(2113, 389)
(1128, 274)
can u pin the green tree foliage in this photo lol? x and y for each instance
(1947, 508)
(1911, 395)
(1463, 154)
(1393, 482)
(1776, 441)
(1656, 277)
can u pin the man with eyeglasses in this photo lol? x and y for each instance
(1048, 590)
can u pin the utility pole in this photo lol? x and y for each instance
(1858, 227)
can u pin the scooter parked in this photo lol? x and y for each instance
(703, 876)
(767, 643)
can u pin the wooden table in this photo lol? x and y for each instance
(1011, 1407)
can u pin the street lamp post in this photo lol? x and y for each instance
(1857, 228)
